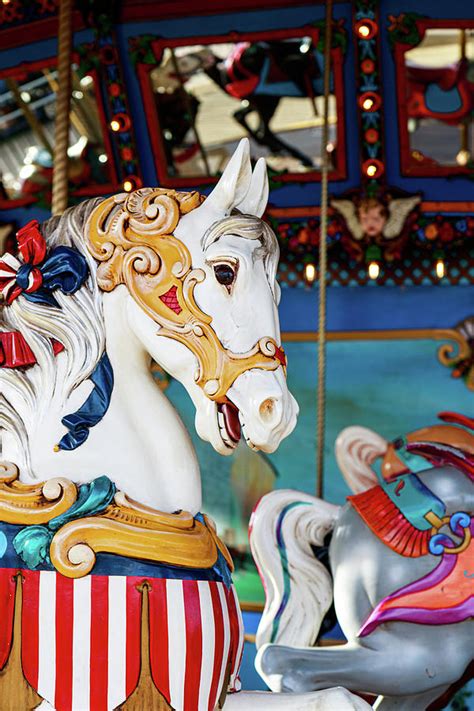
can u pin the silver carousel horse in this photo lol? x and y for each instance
(402, 565)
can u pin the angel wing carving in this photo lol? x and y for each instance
(399, 209)
(347, 209)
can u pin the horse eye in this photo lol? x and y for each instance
(225, 274)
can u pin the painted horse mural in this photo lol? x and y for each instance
(401, 559)
(115, 589)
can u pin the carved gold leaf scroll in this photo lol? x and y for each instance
(134, 531)
(459, 350)
(32, 503)
(131, 236)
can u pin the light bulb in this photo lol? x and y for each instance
(374, 270)
(364, 31)
(367, 104)
(440, 269)
(310, 272)
(127, 186)
(371, 170)
(115, 125)
(463, 157)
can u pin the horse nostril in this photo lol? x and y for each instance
(267, 409)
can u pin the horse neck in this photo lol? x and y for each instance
(166, 472)
(141, 443)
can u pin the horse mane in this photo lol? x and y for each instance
(77, 324)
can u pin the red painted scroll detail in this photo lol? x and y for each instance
(171, 300)
(386, 521)
(7, 604)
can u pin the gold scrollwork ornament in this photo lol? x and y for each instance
(131, 236)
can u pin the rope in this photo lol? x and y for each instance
(323, 256)
(63, 101)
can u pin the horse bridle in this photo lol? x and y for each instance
(132, 238)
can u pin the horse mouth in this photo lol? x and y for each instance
(229, 423)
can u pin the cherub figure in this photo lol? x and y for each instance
(379, 220)
(375, 219)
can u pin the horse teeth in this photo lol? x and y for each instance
(221, 420)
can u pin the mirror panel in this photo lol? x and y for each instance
(437, 114)
(206, 97)
(27, 115)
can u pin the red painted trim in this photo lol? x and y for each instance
(20, 202)
(314, 210)
(7, 603)
(447, 207)
(99, 641)
(192, 611)
(30, 626)
(159, 655)
(407, 166)
(234, 630)
(139, 10)
(64, 641)
(37, 31)
(218, 644)
(153, 121)
(133, 620)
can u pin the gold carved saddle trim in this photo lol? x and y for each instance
(170, 539)
(125, 528)
(32, 503)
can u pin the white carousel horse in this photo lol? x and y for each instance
(149, 273)
(401, 559)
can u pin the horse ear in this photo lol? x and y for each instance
(255, 202)
(234, 183)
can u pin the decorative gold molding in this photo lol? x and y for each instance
(125, 528)
(131, 236)
(134, 531)
(32, 503)
(396, 334)
(450, 354)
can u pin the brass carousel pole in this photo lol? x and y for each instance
(323, 256)
(63, 102)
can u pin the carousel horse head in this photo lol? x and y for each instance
(201, 296)
(187, 281)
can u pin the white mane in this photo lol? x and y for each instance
(77, 324)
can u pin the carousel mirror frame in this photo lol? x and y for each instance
(89, 191)
(156, 45)
(405, 33)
